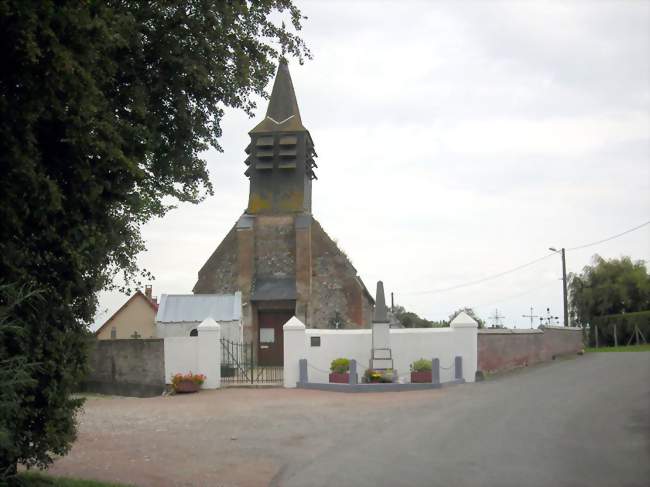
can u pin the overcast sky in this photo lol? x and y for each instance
(456, 141)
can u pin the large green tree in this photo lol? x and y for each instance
(610, 288)
(105, 109)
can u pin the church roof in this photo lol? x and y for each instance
(283, 114)
(184, 308)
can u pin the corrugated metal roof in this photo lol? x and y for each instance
(178, 308)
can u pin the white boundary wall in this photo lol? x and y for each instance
(407, 345)
(199, 355)
(232, 330)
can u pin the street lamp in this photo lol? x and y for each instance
(564, 290)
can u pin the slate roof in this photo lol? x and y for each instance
(184, 308)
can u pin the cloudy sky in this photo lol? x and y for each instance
(456, 141)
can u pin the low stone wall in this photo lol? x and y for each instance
(133, 367)
(504, 349)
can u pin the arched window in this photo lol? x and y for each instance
(194, 333)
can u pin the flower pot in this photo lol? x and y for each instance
(337, 378)
(186, 386)
(424, 376)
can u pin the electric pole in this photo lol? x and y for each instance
(565, 296)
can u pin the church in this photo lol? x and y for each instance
(277, 255)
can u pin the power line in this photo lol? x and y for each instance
(478, 281)
(609, 238)
(527, 264)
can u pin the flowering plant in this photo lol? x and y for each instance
(371, 375)
(197, 379)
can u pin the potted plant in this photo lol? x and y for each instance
(340, 371)
(421, 371)
(183, 383)
(371, 376)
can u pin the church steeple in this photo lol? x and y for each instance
(281, 154)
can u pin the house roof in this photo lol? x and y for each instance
(137, 295)
(185, 308)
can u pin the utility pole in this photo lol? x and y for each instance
(564, 286)
(497, 318)
(531, 316)
(392, 302)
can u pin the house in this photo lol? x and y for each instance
(135, 319)
(179, 315)
(277, 254)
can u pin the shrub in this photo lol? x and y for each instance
(198, 379)
(421, 365)
(340, 365)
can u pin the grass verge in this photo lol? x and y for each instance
(631, 348)
(35, 479)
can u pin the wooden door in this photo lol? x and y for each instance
(270, 339)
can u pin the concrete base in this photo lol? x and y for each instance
(374, 387)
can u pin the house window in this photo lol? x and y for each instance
(315, 341)
(194, 333)
(113, 333)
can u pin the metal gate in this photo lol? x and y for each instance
(239, 366)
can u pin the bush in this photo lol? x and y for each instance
(340, 365)
(421, 365)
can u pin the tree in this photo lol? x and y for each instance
(469, 311)
(409, 319)
(607, 291)
(105, 109)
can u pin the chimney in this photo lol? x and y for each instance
(147, 291)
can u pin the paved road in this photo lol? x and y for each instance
(582, 422)
(579, 422)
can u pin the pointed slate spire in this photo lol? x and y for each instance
(381, 313)
(282, 113)
(283, 103)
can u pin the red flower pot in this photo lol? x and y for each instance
(337, 378)
(424, 376)
(186, 386)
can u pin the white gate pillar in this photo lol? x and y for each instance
(295, 343)
(209, 353)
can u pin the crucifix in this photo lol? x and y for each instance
(531, 316)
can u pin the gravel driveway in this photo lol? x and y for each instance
(575, 422)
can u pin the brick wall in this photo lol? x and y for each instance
(506, 349)
(126, 367)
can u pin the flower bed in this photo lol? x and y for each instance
(421, 371)
(378, 376)
(185, 383)
(340, 371)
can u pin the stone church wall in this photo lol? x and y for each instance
(275, 247)
(335, 286)
(219, 274)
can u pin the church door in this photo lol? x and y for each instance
(270, 341)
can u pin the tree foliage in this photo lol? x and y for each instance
(105, 109)
(611, 291)
(409, 319)
(609, 287)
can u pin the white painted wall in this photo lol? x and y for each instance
(407, 345)
(181, 356)
(199, 355)
(232, 330)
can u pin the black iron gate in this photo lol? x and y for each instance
(239, 366)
